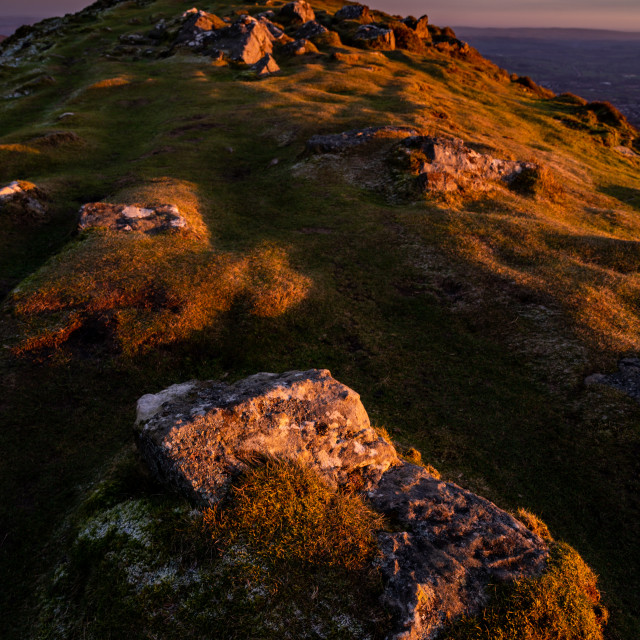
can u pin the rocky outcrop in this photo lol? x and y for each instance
(447, 164)
(197, 436)
(337, 142)
(298, 11)
(197, 26)
(354, 12)
(310, 31)
(23, 201)
(448, 544)
(420, 26)
(247, 41)
(454, 543)
(266, 66)
(370, 36)
(129, 218)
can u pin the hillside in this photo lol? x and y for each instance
(456, 244)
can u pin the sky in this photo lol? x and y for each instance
(623, 15)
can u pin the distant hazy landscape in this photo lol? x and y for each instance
(598, 65)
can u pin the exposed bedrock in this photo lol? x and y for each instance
(131, 218)
(448, 545)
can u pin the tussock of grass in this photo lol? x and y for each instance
(562, 603)
(140, 292)
(285, 512)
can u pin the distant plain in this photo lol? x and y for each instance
(597, 65)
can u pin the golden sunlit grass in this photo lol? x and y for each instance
(562, 603)
(285, 512)
(108, 83)
(143, 292)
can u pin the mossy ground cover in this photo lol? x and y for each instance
(426, 309)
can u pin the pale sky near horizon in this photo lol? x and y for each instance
(623, 15)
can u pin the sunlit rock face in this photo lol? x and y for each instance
(298, 11)
(199, 438)
(451, 544)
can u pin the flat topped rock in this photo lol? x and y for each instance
(131, 218)
(195, 436)
(336, 142)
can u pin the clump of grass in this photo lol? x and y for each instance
(535, 524)
(536, 181)
(414, 456)
(285, 512)
(563, 602)
(133, 293)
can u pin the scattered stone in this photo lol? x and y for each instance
(130, 218)
(266, 66)
(447, 164)
(67, 114)
(159, 31)
(198, 440)
(23, 201)
(298, 11)
(353, 12)
(448, 544)
(455, 544)
(626, 379)
(370, 36)
(333, 143)
(299, 47)
(198, 26)
(311, 30)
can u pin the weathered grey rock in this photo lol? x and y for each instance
(626, 379)
(266, 66)
(198, 28)
(353, 12)
(23, 201)
(310, 31)
(299, 47)
(298, 11)
(159, 31)
(129, 218)
(194, 437)
(454, 545)
(337, 142)
(370, 36)
(248, 40)
(447, 164)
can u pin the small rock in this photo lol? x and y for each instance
(337, 142)
(266, 66)
(23, 201)
(298, 11)
(311, 30)
(130, 218)
(299, 48)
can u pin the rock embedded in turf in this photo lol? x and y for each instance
(447, 164)
(311, 30)
(130, 218)
(23, 201)
(246, 41)
(353, 12)
(298, 11)
(449, 544)
(370, 36)
(455, 543)
(266, 66)
(200, 439)
(337, 142)
(420, 26)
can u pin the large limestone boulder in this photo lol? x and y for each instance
(196, 437)
(447, 164)
(247, 40)
(298, 11)
(197, 26)
(131, 218)
(23, 201)
(448, 544)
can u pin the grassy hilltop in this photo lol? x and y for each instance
(467, 322)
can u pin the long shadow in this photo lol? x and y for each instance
(627, 195)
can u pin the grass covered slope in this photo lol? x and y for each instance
(466, 322)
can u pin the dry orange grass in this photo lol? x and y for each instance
(139, 292)
(118, 81)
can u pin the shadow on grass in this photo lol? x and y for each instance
(628, 195)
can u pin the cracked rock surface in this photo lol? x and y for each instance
(448, 544)
(130, 218)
